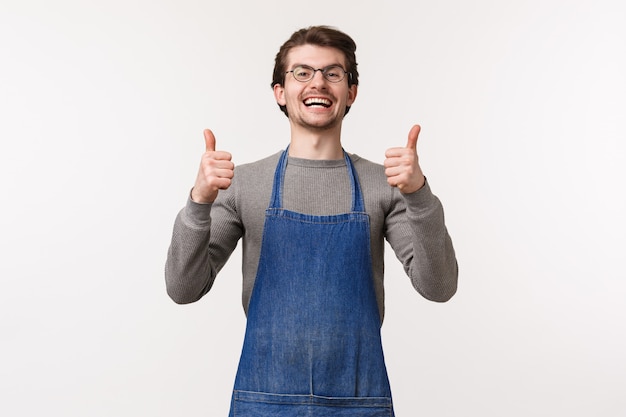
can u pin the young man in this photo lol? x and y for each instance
(313, 220)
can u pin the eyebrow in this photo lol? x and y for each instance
(297, 64)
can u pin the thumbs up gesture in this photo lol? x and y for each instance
(215, 173)
(402, 167)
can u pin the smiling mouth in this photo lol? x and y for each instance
(317, 101)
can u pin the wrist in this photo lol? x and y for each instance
(201, 198)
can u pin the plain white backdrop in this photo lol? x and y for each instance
(522, 106)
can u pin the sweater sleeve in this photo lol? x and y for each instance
(415, 229)
(203, 238)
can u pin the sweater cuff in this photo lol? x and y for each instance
(197, 215)
(420, 199)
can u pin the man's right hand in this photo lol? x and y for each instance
(215, 173)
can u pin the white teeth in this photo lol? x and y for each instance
(317, 100)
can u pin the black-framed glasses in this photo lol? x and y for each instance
(304, 73)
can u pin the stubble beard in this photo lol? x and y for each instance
(329, 123)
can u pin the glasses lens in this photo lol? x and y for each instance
(303, 73)
(334, 74)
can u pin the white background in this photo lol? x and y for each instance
(522, 106)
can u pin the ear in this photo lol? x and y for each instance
(279, 94)
(352, 91)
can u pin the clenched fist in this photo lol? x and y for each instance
(215, 173)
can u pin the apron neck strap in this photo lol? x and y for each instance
(276, 201)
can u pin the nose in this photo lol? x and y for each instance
(318, 77)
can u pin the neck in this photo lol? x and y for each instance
(309, 144)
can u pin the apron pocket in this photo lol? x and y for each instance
(260, 404)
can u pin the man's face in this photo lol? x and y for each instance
(316, 104)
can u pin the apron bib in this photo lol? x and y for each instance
(312, 345)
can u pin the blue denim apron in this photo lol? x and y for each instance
(312, 345)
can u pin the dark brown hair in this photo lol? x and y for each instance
(320, 36)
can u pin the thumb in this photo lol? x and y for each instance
(209, 140)
(413, 134)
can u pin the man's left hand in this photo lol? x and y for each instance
(402, 166)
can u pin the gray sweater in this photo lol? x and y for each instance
(205, 235)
